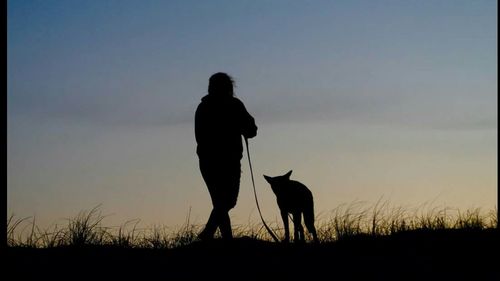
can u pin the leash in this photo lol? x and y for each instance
(255, 194)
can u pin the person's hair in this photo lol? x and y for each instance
(221, 84)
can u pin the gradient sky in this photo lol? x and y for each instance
(361, 99)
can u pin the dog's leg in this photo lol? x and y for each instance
(309, 222)
(284, 216)
(298, 230)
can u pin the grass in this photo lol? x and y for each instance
(358, 241)
(344, 222)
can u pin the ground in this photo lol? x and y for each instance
(417, 255)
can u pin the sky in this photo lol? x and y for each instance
(361, 99)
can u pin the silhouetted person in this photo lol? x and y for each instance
(220, 121)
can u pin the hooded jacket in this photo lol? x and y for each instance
(219, 124)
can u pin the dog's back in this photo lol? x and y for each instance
(294, 196)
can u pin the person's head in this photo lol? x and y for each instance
(220, 84)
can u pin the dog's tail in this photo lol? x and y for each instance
(309, 214)
(309, 219)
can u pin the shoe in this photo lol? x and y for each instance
(204, 236)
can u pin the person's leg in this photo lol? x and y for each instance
(231, 184)
(209, 176)
(225, 225)
(209, 231)
(223, 182)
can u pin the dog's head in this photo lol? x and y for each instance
(278, 181)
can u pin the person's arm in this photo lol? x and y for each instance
(248, 127)
(198, 125)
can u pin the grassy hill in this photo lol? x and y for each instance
(355, 245)
(413, 255)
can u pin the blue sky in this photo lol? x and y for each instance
(361, 99)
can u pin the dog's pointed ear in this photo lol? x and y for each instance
(268, 179)
(287, 175)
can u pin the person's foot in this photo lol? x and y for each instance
(227, 237)
(205, 236)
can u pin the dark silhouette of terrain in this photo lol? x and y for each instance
(451, 254)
